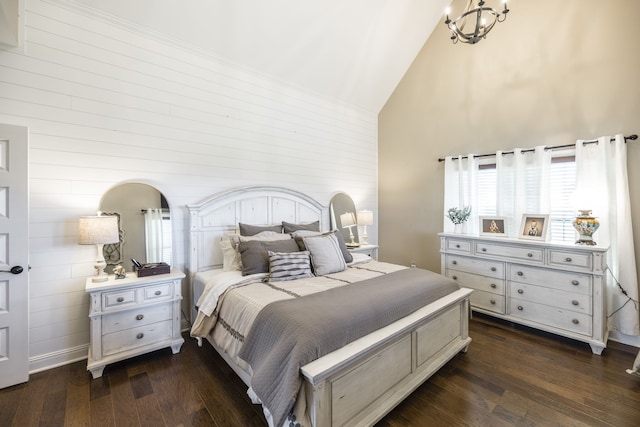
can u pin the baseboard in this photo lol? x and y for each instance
(57, 358)
(631, 340)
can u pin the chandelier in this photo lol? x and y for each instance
(482, 20)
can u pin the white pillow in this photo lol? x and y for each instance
(231, 260)
(265, 236)
(326, 255)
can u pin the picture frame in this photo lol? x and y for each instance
(534, 227)
(495, 226)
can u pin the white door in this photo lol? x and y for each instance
(14, 256)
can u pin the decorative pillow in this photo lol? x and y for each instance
(265, 236)
(343, 246)
(255, 255)
(250, 230)
(231, 260)
(289, 266)
(326, 256)
(300, 234)
(290, 228)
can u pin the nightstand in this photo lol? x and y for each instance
(371, 250)
(132, 316)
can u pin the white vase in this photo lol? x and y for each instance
(457, 228)
(464, 228)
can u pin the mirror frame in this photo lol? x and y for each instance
(337, 208)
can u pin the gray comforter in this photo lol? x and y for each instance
(286, 335)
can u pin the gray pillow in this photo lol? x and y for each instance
(290, 228)
(300, 234)
(326, 256)
(250, 230)
(289, 266)
(255, 254)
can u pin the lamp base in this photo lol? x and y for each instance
(101, 278)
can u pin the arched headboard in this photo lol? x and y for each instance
(219, 214)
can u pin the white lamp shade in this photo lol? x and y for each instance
(98, 230)
(347, 219)
(365, 218)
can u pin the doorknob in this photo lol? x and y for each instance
(14, 270)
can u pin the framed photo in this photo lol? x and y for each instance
(493, 226)
(534, 227)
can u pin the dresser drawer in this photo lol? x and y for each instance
(118, 299)
(551, 316)
(475, 281)
(488, 301)
(136, 337)
(158, 292)
(570, 259)
(458, 245)
(571, 301)
(561, 280)
(515, 252)
(476, 266)
(135, 317)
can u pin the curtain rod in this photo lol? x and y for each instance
(553, 147)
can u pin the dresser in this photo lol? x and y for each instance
(558, 288)
(132, 316)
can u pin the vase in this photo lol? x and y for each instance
(460, 228)
(586, 225)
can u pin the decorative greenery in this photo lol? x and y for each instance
(458, 215)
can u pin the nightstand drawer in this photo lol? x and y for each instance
(135, 317)
(552, 297)
(119, 298)
(136, 337)
(551, 316)
(158, 292)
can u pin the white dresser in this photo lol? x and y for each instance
(132, 316)
(559, 288)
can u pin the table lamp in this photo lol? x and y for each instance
(98, 230)
(365, 218)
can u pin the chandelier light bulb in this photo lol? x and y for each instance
(479, 19)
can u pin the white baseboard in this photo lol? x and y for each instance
(625, 339)
(57, 358)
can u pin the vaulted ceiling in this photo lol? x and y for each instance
(355, 51)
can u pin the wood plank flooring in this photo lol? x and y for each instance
(511, 375)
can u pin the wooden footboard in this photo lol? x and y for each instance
(360, 383)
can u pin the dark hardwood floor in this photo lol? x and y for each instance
(511, 375)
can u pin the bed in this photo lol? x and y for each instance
(361, 377)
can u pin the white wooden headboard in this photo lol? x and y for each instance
(220, 214)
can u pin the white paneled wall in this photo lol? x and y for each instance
(106, 103)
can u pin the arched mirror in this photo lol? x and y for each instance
(145, 225)
(343, 217)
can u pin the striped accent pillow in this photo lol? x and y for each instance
(289, 266)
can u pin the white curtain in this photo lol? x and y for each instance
(154, 235)
(460, 182)
(603, 186)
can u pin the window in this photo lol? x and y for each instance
(563, 179)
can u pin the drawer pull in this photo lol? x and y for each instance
(458, 246)
(454, 277)
(493, 302)
(484, 249)
(120, 299)
(520, 291)
(140, 336)
(520, 308)
(493, 269)
(575, 282)
(454, 262)
(530, 255)
(158, 292)
(568, 259)
(493, 285)
(520, 273)
(575, 302)
(140, 317)
(575, 321)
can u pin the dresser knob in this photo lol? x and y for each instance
(520, 291)
(568, 259)
(158, 292)
(493, 285)
(520, 273)
(575, 282)
(493, 302)
(484, 249)
(520, 308)
(575, 321)
(454, 277)
(120, 299)
(530, 255)
(575, 302)
(140, 336)
(493, 269)
(458, 246)
(454, 262)
(139, 317)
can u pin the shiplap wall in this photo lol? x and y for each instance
(106, 103)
